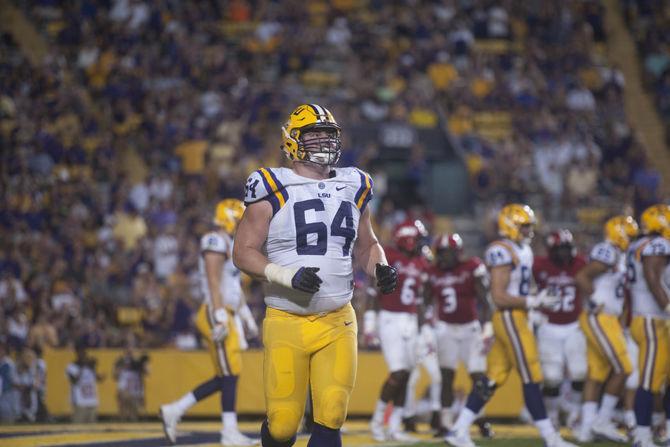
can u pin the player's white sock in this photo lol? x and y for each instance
(589, 410)
(629, 419)
(553, 404)
(574, 402)
(447, 418)
(642, 433)
(464, 421)
(395, 420)
(185, 402)
(607, 406)
(435, 391)
(229, 419)
(378, 415)
(657, 418)
(546, 428)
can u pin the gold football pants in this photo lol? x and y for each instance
(651, 336)
(514, 347)
(605, 346)
(317, 349)
(226, 355)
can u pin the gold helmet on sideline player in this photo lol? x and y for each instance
(311, 117)
(620, 230)
(656, 219)
(228, 214)
(512, 217)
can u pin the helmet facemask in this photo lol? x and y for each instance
(320, 145)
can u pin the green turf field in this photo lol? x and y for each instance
(201, 434)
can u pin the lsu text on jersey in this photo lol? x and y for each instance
(310, 338)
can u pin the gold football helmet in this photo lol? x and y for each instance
(512, 217)
(656, 219)
(319, 150)
(620, 230)
(228, 214)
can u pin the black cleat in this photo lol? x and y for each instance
(485, 429)
(440, 432)
(410, 424)
(435, 421)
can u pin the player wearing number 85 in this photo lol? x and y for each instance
(510, 262)
(398, 327)
(298, 233)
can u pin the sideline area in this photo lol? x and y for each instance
(200, 434)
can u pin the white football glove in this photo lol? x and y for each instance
(427, 340)
(370, 336)
(487, 337)
(220, 329)
(542, 300)
(249, 321)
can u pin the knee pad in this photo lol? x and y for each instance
(483, 388)
(447, 374)
(400, 377)
(551, 390)
(268, 441)
(577, 386)
(283, 424)
(333, 409)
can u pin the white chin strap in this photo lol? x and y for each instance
(322, 158)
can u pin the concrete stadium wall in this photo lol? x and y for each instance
(173, 373)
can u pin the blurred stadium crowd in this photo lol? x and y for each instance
(146, 113)
(649, 22)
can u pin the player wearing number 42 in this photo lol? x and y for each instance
(560, 342)
(299, 231)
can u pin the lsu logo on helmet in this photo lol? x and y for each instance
(512, 217)
(656, 219)
(228, 214)
(619, 230)
(324, 147)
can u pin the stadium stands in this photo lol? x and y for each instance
(143, 114)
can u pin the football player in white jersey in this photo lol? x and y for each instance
(221, 320)
(510, 261)
(602, 283)
(299, 231)
(648, 258)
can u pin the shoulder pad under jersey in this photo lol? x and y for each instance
(214, 242)
(499, 253)
(265, 184)
(658, 246)
(604, 252)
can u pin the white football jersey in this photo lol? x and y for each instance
(608, 288)
(84, 392)
(643, 301)
(314, 224)
(231, 288)
(520, 256)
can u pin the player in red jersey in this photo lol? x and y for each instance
(457, 286)
(560, 341)
(397, 324)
